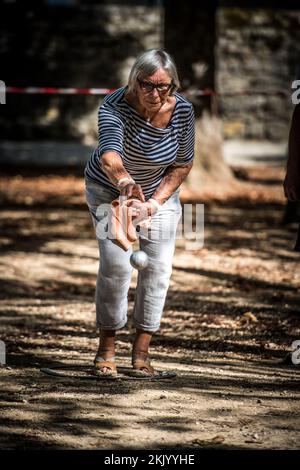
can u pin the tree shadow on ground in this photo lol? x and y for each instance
(216, 352)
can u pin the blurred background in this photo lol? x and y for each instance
(248, 55)
(232, 309)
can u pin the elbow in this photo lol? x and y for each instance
(104, 162)
(103, 165)
(109, 160)
(188, 167)
(183, 166)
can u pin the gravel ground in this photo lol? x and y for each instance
(231, 315)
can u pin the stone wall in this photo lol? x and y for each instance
(257, 50)
(81, 45)
(190, 36)
(94, 45)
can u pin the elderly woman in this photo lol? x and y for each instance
(145, 151)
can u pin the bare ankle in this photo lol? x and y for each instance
(106, 343)
(141, 343)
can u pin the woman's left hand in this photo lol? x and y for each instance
(142, 210)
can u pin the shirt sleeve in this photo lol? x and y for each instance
(110, 131)
(186, 150)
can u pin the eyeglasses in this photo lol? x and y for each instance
(147, 87)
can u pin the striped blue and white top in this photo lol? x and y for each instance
(146, 151)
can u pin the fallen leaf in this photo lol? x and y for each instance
(218, 439)
(248, 317)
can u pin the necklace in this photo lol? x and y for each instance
(149, 118)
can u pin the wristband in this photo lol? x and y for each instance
(155, 203)
(127, 178)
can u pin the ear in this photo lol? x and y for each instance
(134, 91)
(172, 89)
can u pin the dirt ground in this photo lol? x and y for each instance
(231, 315)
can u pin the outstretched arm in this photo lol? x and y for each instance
(173, 178)
(112, 165)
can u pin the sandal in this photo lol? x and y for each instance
(109, 363)
(139, 363)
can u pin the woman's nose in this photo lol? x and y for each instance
(154, 92)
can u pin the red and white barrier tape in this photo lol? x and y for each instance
(59, 91)
(83, 91)
(105, 91)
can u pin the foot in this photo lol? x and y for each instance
(104, 363)
(140, 352)
(141, 364)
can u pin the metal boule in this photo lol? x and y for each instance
(139, 259)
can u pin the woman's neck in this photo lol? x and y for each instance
(142, 110)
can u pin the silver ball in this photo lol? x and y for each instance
(139, 259)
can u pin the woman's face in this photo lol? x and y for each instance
(152, 98)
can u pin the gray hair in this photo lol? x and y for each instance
(148, 63)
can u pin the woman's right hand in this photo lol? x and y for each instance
(132, 189)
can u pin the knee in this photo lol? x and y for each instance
(157, 274)
(160, 267)
(115, 268)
